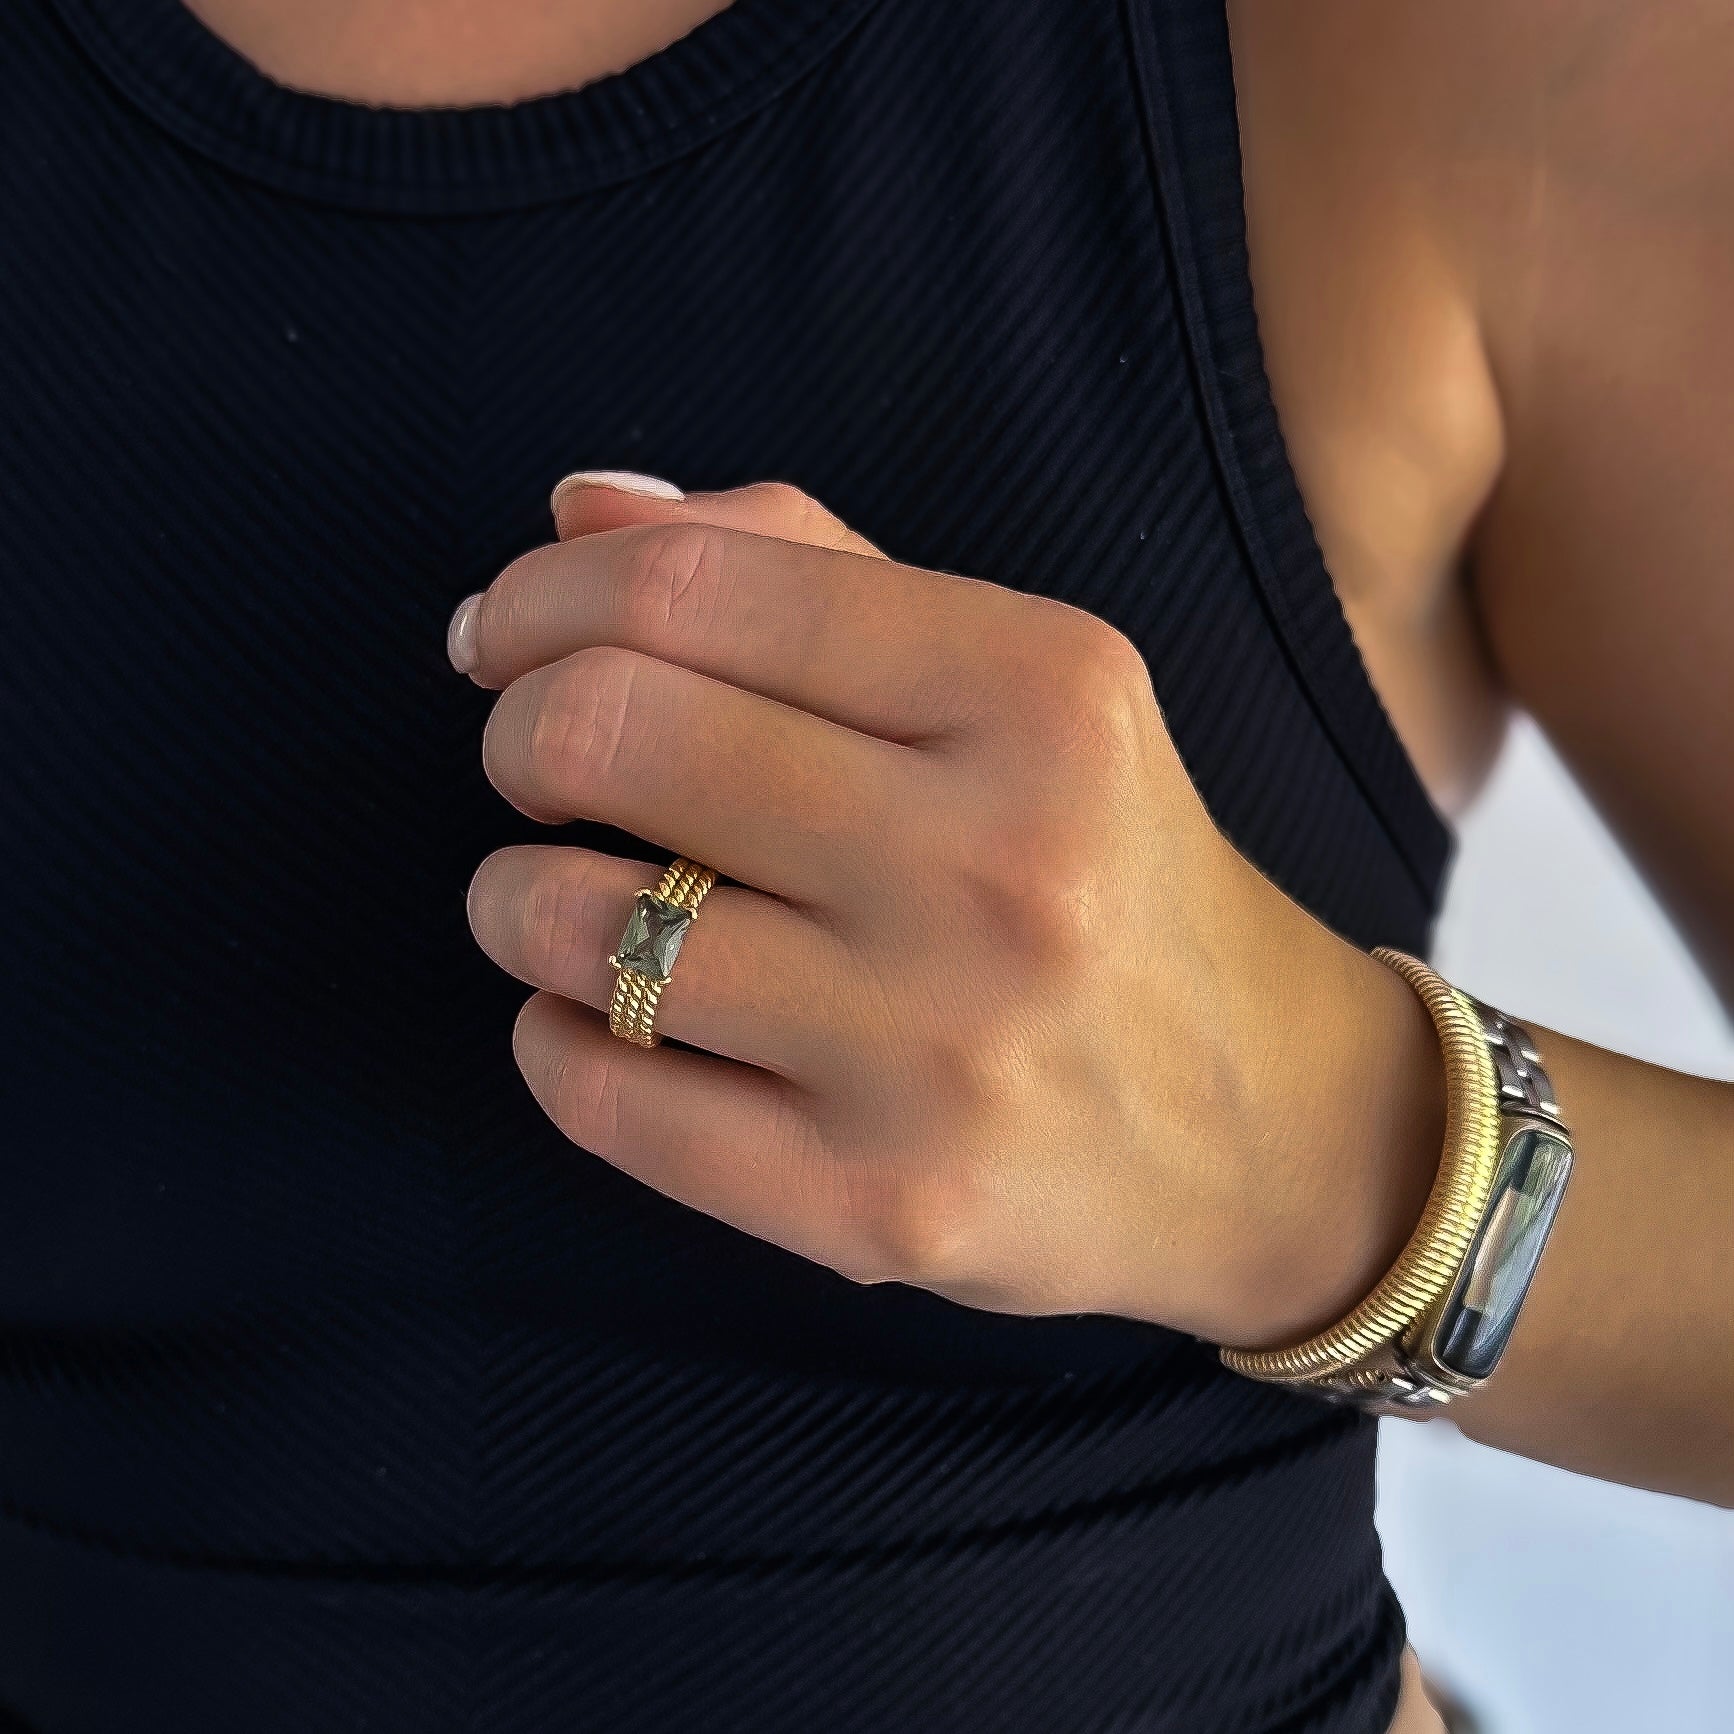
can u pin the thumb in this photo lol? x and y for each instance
(594, 500)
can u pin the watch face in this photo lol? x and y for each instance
(1477, 1321)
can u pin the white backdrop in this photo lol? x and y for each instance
(1550, 1603)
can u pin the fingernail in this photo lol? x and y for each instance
(625, 481)
(461, 634)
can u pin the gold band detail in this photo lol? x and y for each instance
(632, 1008)
(684, 882)
(1428, 1265)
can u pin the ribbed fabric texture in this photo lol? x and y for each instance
(337, 1391)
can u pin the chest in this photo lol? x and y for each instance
(265, 440)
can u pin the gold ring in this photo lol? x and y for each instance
(644, 958)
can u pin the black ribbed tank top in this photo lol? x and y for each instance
(337, 1390)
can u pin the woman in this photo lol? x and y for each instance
(346, 1387)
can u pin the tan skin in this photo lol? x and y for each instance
(1501, 240)
(1493, 251)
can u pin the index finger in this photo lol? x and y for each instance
(886, 649)
(583, 504)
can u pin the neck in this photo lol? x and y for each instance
(447, 53)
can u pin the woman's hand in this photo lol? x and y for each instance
(992, 1007)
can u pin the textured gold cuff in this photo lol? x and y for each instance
(1428, 1265)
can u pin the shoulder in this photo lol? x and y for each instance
(1499, 274)
(1493, 250)
(1513, 134)
(1509, 139)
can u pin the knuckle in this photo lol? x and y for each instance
(860, 1193)
(976, 1070)
(584, 719)
(797, 516)
(920, 1231)
(783, 500)
(589, 1098)
(675, 580)
(509, 602)
(561, 924)
(1033, 875)
(1093, 692)
(1112, 684)
(1049, 923)
(515, 610)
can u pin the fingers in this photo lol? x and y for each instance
(754, 981)
(878, 647)
(737, 1143)
(586, 503)
(765, 794)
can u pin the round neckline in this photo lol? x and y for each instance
(459, 160)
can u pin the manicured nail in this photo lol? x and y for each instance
(461, 634)
(625, 481)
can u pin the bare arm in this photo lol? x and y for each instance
(1519, 452)
(1604, 575)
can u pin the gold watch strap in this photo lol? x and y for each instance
(1429, 1263)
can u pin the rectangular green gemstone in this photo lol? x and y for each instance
(653, 934)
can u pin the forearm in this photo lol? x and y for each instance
(1622, 1362)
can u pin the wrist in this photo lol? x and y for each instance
(1349, 1098)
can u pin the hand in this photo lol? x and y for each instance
(993, 1008)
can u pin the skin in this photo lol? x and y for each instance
(440, 53)
(1493, 252)
(1498, 241)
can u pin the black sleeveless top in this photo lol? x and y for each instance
(337, 1390)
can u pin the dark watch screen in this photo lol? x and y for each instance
(1477, 1321)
